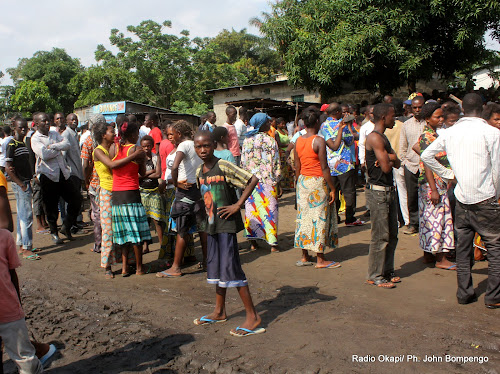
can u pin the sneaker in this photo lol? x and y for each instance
(410, 230)
(56, 239)
(358, 222)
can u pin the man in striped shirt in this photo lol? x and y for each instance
(473, 150)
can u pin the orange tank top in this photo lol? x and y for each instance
(309, 160)
(125, 178)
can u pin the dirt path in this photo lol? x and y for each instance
(316, 319)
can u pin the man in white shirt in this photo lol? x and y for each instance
(3, 146)
(473, 150)
(54, 175)
(365, 129)
(240, 125)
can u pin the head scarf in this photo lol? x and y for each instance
(256, 122)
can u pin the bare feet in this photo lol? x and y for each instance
(428, 258)
(253, 245)
(274, 249)
(210, 319)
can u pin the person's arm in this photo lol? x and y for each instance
(416, 148)
(320, 149)
(15, 282)
(156, 172)
(11, 171)
(335, 144)
(493, 145)
(179, 156)
(428, 157)
(395, 161)
(62, 142)
(375, 142)
(228, 211)
(297, 164)
(429, 176)
(6, 221)
(43, 152)
(403, 144)
(101, 156)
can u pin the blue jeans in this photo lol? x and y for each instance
(24, 215)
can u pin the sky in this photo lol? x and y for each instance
(29, 26)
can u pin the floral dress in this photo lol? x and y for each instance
(260, 156)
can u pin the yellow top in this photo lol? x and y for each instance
(3, 181)
(105, 175)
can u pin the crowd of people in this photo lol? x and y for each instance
(429, 167)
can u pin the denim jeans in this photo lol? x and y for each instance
(24, 215)
(384, 219)
(483, 218)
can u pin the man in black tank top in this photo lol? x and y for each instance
(381, 198)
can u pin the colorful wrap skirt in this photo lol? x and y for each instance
(153, 204)
(316, 225)
(435, 222)
(261, 214)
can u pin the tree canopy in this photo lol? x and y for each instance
(378, 44)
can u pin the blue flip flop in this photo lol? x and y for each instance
(164, 274)
(48, 355)
(256, 331)
(207, 321)
(451, 267)
(333, 265)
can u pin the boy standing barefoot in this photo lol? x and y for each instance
(217, 180)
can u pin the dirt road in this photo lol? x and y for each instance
(317, 321)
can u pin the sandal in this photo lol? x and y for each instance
(393, 278)
(109, 274)
(382, 283)
(33, 257)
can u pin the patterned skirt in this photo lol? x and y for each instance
(435, 222)
(167, 248)
(130, 224)
(153, 204)
(287, 173)
(316, 225)
(261, 214)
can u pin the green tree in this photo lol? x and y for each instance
(53, 68)
(378, 44)
(31, 97)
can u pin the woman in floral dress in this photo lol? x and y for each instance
(260, 156)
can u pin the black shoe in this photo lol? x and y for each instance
(56, 239)
(470, 300)
(66, 233)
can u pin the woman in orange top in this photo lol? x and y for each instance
(130, 223)
(316, 225)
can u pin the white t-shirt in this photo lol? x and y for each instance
(3, 149)
(168, 170)
(297, 135)
(191, 161)
(84, 137)
(290, 126)
(241, 130)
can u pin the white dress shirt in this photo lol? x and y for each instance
(473, 150)
(49, 159)
(410, 134)
(366, 129)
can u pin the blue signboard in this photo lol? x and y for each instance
(110, 108)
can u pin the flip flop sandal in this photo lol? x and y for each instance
(207, 321)
(332, 265)
(109, 274)
(451, 267)
(256, 331)
(393, 278)
(382, 283)
(34, 257)
(164, 274)
(43, 231)
(36, 250)
(48, 355)
(303, 263)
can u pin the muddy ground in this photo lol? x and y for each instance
(316, 320)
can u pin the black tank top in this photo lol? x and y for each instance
(375, 174)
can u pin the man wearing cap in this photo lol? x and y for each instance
(410, 133)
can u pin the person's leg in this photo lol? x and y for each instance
(138, 259)
(124, 250)
(399, 178)
(95, 216)
(393, 234)
(24, 218)
(180, 247)
(203, 241)
(348, 186)
(411, 181)
(379, 208)
(487, 224)
(50, 196)
(252, 320)
(19, 348)
(73, 197)
(464, 249)
(336, 183)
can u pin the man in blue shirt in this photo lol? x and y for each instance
(341, 160)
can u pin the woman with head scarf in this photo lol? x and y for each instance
(260, 156)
